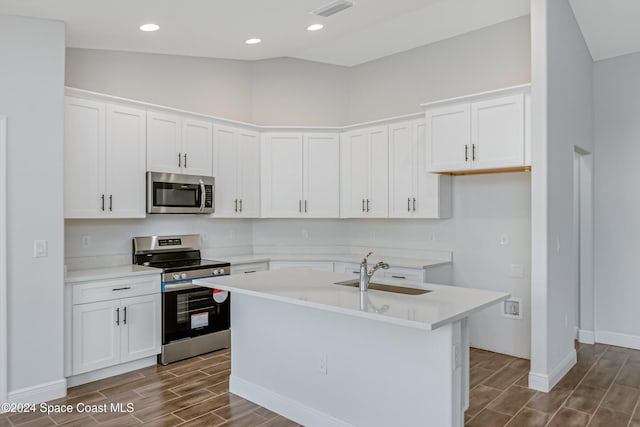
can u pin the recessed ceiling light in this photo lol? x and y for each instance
(253, 41)
(315, 27)
(149, 27)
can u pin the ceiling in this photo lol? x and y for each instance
(610, 27)
(218, 28)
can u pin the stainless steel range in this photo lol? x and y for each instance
(195, 319)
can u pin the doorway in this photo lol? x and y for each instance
(583, 245)
(3, 260)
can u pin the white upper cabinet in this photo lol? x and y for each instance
(179, 145)
(364, 173)
(104, 160)
(301, 175)
(414, 193)
(485, 132)
(236, 168)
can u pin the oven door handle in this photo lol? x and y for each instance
(202, 195)
(180, 287)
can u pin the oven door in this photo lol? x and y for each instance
(189, 311)
(174, 193)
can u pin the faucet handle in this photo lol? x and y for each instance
(366, 256)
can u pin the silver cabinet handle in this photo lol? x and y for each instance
(473, 152)
(240, 205)
(125, 315)
(118, 316)
(367, 205)
(203, 195)
(414, 204)
(121, 289)
(250, 271)
(185, 160)
(399, 277)
(236, 208)
(466, 153)
(102, 197)
(110, 202)
(362, 205)
(300, 206)
(179, 160)
(305, 206)
(408, 204)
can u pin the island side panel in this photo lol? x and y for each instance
(321, 368)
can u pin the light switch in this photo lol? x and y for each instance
(516, 270)
(504, 239)
(40, 248)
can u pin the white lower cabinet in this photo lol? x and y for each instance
(248, 268)
(310, 265)
(114, 330)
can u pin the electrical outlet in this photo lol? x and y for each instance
(86, 241)
(40, 249)
(323, 364)
(516, 270)
(511, 308)
(305, 234)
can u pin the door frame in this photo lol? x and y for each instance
(3, 261)
(585, 303)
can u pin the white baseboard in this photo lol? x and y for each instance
(283, 405)
(39, 393)
(545, 382)
(111, 371)
(586, 337)
(618, 339)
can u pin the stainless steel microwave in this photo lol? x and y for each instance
(170, 193)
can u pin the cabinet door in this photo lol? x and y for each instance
(249, 173)
(96, 336)
(125, 162)
(225, 171)
(378, 194)
(163, 143)
(321, 175)
(140, 327)
(403, 173)
(197, 147)
(448, 136)
(84, 144)
(282, 183)
(433, 195)
(497, 135)
(354, 173)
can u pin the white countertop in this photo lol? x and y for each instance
(393, 261)
(75, 276)
(316, 289)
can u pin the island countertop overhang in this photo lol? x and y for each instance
(317, 290)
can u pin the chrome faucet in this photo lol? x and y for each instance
(366, 276)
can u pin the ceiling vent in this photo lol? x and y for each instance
(333, 8)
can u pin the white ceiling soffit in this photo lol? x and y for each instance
(369, 30)
(609, 27)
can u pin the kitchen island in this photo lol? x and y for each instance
(324, 354)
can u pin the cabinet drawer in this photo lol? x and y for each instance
(110, 289)
(412, 274)
(249, 268)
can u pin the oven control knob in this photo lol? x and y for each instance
(215, 272)
(176, 276)
(222, 271)
(183, 275)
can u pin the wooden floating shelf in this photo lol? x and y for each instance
(487, 171)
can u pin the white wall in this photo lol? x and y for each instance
(489, 58)
(617, 208)
(218, 87)
(111, 239)
(31, 84)
(485, 207)
(562, 70)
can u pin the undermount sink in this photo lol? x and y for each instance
(385, 288)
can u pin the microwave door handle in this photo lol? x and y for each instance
(202, 195)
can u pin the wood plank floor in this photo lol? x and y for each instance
(603, 389)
